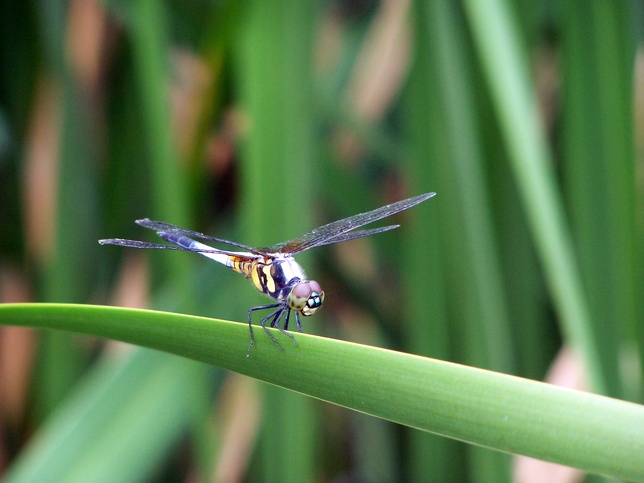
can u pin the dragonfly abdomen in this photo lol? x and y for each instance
(265, 273)
(197, 247)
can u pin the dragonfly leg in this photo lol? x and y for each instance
(297, 319)
(250, 325)
(276, 322)
(263, 324)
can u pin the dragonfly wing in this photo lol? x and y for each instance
(202, 249)
(332, 232)
(356, 234)
(162, 227)
(137, 244)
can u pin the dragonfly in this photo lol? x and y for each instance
(273, 270)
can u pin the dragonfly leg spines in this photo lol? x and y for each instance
(250, 325)
(277, 315)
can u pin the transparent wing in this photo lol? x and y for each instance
(162, 227)
(137, 244)
(140, 244)
(358, 234)
(335, 232)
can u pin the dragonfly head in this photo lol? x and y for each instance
(306, 297)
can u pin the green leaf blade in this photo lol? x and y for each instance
(593, 433)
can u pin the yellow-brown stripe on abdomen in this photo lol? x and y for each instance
(240, 265)
(251, 269)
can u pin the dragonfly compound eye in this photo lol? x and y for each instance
(306, 297)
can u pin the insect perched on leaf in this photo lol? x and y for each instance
(273, 270)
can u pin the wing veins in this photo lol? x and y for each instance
(332, 232)
(159, 246)
(161, 226)
(355, 234)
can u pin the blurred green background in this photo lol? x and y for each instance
(257, 121)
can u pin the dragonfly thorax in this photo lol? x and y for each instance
(306, 297)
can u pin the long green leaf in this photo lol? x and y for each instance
(505, 66)
(594, 433)
(114, 424)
